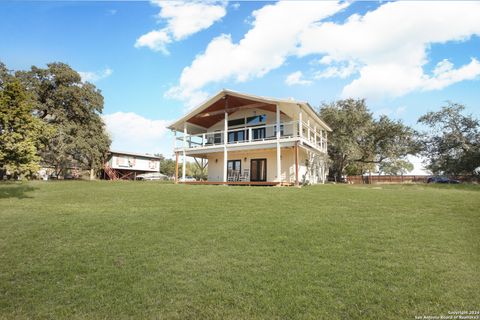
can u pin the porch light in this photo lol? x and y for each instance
(245, 159)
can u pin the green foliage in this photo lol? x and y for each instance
(167, 166)
(197, 169)
(21, 133)
(359, 142)
(395, 167)
(452, 142)
(74, 108)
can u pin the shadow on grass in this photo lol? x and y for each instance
(15, 191)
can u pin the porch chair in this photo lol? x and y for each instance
(245, 176)
(230, 175)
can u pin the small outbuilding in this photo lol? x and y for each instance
(127, 165)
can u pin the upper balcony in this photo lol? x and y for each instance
(257, 135)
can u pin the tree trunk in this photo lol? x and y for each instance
(92, 174)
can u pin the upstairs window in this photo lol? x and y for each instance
(236, 122)
(257, 119)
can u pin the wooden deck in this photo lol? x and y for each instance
(239, 183)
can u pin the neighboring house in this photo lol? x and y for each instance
(249, 139)
(127, 165)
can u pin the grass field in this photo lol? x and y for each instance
(113, 250)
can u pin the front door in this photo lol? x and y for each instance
(258, 170)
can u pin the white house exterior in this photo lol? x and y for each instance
(126, 165)
(249, 139)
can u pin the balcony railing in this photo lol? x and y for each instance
(288, 130)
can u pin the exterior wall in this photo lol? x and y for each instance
(129, 162)
(215, 165)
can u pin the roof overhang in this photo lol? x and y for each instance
(213, 109)
(135, 154)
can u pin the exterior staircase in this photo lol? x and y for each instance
(111, 173)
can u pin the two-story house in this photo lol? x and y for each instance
(252, 140)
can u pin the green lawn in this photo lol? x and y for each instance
(115, 250)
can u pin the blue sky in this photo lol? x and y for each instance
(155, 60)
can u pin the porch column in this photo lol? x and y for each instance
(176, 167)
(300, 124)
(325, 141)
(308, 129)
(296, 163)
(315, 135)
(225, 152)
(279, 160)
(184, 160)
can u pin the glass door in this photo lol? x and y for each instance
(258, 134)
(258, 170)
(234, 168)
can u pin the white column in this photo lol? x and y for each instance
(278, 122)
(225, 153)
(184, 157)
(325, 141)
(279, 160)
(300, 123)
(308, 130)
(315, 135)
(174, 139)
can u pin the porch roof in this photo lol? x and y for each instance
(212, 110)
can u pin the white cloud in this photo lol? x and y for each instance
(390, 45)
(445, 74)
(296, 78)
(236, 5)
(183, 19)
(273, 37)
(191, 98)
(340, 71)
(94, 76)
(386, 50)
(134, 133)
(155, 40)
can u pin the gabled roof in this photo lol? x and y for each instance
(144, 155)
(215, 103)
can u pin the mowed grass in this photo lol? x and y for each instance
(143, 250)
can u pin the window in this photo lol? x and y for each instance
(281, 130)
(217, 138)
(236, 136)
(257, 119)
(258, 134)
(234, 165)
(236, 122)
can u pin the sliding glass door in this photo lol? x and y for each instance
(258, 170)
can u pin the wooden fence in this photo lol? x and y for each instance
(402, 179)
(386, 179)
